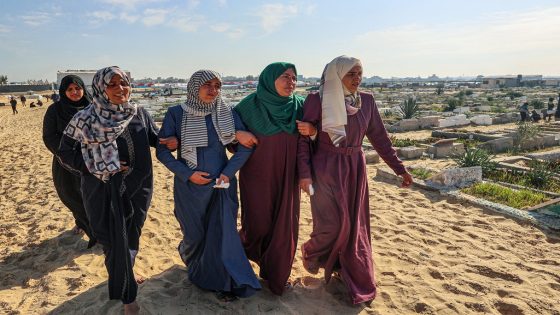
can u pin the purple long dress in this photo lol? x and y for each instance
(341, 237)
(270, 197)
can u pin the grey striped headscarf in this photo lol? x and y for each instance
(99, 125)
(193, 125)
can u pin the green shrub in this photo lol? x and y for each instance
(514, 94)
(452, 104)
(401, 143)
(476, 157)
(525, 132)
(514, 198)
(537, 104)
(540, 174)
(421, 173)
(408, 108)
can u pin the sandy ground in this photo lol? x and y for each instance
(432, 255)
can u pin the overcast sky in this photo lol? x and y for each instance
(165, 38)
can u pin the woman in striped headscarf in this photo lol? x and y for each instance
(205, 188)
(108, 142)
(331, 161)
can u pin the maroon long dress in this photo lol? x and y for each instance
(341, 237)
(270, 198)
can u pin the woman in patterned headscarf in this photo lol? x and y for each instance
(74, 97)
(108, 142)
(331, 160)
(205, 188)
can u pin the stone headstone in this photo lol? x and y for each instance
(456, 177)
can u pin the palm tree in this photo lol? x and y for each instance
(409, 108)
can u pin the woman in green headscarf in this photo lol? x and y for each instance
(268, 182)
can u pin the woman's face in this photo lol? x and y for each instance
(209, 90)
(352, 79)
(118, 91)
(286, 83)
(74, 92)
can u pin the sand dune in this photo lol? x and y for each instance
(433, 255)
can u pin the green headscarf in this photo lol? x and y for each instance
(267, 113)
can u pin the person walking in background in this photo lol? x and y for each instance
(550, 109)
(108, 142)
(524, 111)
(332, 170)
(74, 97)
(205, 188)
(23, 100)
(55, 97)
(13, 103)
(270, 197)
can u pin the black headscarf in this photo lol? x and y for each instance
(68, 107)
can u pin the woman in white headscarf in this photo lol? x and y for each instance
(205, 188)
(108, 143)
(331, 161)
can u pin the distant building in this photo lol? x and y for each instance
(512, 81)
(85, 75)
(501, 81)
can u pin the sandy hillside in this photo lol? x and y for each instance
(432, 255)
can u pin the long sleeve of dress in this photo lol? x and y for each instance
(151, 128)
(311, 114)
(242, 153)
(69, 154)
(379, 139)
(164, 155)
(51, 136)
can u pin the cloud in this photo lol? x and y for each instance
(154, 16)
(101, 16)
(128, 18)
(236, 33)
(220, 27)
(191, 4)
(36, 18)
(187, 23)
(4, 29)
(506, 39)
(128, 3)
(222, 3)
(272, 16)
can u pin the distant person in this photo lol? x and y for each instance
(39, 103)
(524, 111)
(55, 97)
(32, 105)
(13, 102)
(23, 100)
(47, 97)
(535, 117)
(550, 109)
(74, 97)
(557, 113)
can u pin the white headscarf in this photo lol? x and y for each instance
(332, 93)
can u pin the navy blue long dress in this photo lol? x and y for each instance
(211, 247)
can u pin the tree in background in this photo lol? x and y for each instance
(3, 79)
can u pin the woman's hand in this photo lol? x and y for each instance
(304, 184)
(305, 128)
(246, 138)
(406, 180)
(222, 179)
(124, 166)
(199, 178)
(170, 142)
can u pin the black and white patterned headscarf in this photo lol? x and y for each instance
(99, 125)
(193, 125)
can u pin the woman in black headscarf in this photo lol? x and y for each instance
(74, 97)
